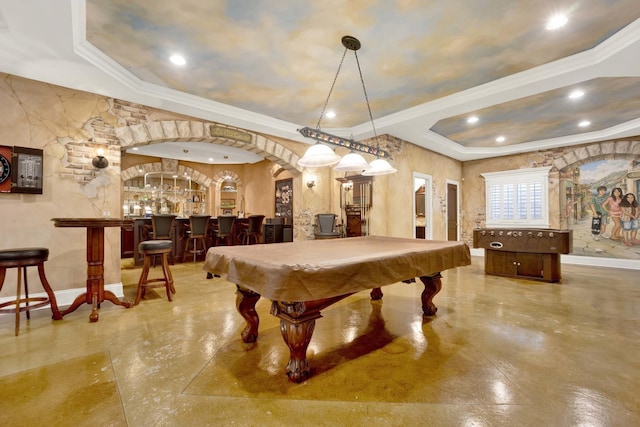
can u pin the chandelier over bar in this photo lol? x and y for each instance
(320, 154)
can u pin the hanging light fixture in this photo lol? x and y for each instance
(319, 154)
(352, 162)
(379, 167)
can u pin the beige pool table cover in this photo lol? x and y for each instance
(315, 269)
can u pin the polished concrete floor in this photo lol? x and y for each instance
(499, 352)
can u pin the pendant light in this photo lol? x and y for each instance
(352, 162)
(319, 154)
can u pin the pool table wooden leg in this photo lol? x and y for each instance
(432, 285)
(376, 294)
(297, 336)
(246, 301)
(297, 322)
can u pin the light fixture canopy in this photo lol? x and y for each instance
(318, 157)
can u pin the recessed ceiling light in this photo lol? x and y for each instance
(211, 159)
(556, 21)
(473, 119)
(584, 123)
(500, 139)
(576, 94)
(177, 59)
(330, 114)
(135, 148)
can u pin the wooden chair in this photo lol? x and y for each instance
(225, 229)
(253, 230)
(198, 229)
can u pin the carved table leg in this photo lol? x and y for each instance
(80, 299)
(297, 336)
(376, 294)
(246, 301)
(297, 322)
(432, 285)
(93, 317)
(110, 296)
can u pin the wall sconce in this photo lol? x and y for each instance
(100, 161)
(311, 181)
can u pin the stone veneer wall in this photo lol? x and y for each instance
(69, 126)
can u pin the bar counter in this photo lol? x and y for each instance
(140, 234)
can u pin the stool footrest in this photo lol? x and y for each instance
(42, 301)
(154, 281)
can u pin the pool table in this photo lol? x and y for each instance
(302, 278)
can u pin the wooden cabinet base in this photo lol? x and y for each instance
(523, 265)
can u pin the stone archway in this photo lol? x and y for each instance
(143, 169)
(616, 149)
(185, 131)
(565, 167)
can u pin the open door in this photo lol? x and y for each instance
(422, 212)
(453, 231)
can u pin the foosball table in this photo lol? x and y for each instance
(526, 253)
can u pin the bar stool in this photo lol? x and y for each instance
(253, 230)
(151, 248)
(225, 229)
(198, 230)
(23, 258)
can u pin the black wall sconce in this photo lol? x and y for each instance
(100, 161)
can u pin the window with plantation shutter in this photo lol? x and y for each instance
(517, 198)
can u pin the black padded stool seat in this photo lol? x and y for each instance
(23, 258)
(151, 248)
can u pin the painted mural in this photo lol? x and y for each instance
(602, 208)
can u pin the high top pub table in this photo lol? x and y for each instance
(96, 293)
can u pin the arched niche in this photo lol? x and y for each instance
(221, 180)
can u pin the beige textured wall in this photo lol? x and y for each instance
(70, 125)
(53, 119)
(396, 216)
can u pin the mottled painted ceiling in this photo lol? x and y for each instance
(427, 66)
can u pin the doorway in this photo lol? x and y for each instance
(453, 201)
(422, 212)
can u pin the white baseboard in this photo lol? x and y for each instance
(629, 264)
(66, 296)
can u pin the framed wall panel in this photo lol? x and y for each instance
(26, 170)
